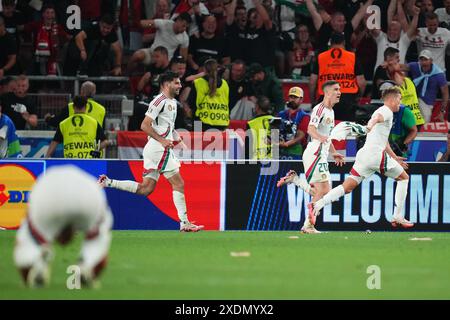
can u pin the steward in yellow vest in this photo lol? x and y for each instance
(81, 134)
(210, 98)
(93, 108)
(260, 129)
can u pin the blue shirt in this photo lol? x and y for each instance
(435, 83)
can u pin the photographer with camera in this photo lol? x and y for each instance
(294, 126)
(79, 134)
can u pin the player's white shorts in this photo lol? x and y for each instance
(61, 199)
(368, 162)
(158, 160)
(316, 166)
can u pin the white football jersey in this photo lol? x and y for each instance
(163, 111)
(323, 119)
(377, 138)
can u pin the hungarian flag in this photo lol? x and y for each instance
(299, 6)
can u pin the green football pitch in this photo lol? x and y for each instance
(251, 265)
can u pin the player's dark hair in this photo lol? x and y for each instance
(168, 76)
(390, 91)
(329, 84)
(7, 3)
(431, 16)
(389, 52)
(79, 102)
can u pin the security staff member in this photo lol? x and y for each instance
(79, 133)
(260, 145)
(340, 65)
(209, 98)
(93, 108)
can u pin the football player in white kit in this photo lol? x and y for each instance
(159, 123)
(64, 200)
(377, 156)
(315, 156)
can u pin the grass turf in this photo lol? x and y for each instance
(171, 265)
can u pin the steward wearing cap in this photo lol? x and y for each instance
(339, 65)
(294, 126)
(79, 133)
(429, 79)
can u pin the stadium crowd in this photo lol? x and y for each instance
(239, 49)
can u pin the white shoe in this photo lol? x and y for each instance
(190, 227)
(401, 222)
(309, 230)
(292, 177)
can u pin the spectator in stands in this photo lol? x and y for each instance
(217, 9)
(294, 126)
(170, 34)
(342, 65)
(209, 98)
(93, 108)
(160, 64)
(429, 79)
(162, 11)
(9, 143)
(301, 56)
(336, 23)
(19, 106)
(391, 69)
(129, 16)
(435, 39)
(8, 52)
(79, 133)
(235, 30)
(395, 37)
(89, 50)
(237, 82)
(91, 10)
(6, 85)
(446, 156)
(48, 38)
(365, 48)
(14, 19)
(261, 38)
(195, 9)
(259, 145)
(207, 46)
(263, 83)
(444, 15)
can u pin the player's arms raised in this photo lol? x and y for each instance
(376, 118)
(147, 127)
(312, 131)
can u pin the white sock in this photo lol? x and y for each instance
(302, 184)
(180, 204)
(400, 196)
(334, 195)
(125, 185)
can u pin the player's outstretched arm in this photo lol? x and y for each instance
(339, 159)
(376, 118)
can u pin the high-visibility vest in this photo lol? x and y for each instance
(79, 132)
(339, 65)
(260, 129)
(212, 110)
(93, 108)
(409, 99)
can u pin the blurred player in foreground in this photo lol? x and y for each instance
(63, 201)
(315, 157)
(376, 156)
(158, 124)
